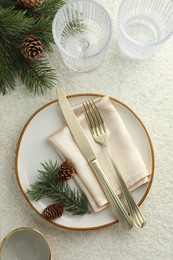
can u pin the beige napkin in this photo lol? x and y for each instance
(125, 154)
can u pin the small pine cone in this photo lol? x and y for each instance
(30, 3)
(53, 211)
(32, 48)
(66, 170)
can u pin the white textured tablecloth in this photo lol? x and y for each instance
(145, 86)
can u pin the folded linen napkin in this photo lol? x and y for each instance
(125, 154)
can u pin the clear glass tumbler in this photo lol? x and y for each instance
(143, 26)
(82, 31)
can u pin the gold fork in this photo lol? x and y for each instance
(101, 134)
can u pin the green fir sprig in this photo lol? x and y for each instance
(54, 188)
(17, 23)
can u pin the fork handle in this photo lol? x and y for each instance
(112, 197)
(138, 218)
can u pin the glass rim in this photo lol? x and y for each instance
(134, 41)
(108, 37)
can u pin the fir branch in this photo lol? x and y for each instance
(49, 8)
(42, 29)
(70, 199)
(7, 3)
(50, 186)
(45, 179)
(7, 72)
(14, 25)
(37, 76)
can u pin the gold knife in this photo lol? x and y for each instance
(87, 150)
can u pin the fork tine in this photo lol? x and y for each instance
(90, 118)
(99, 117)
(93, 116)
(97, 123)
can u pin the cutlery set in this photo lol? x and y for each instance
(100, 134)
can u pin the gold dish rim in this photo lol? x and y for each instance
(20, 229)
(73, 96)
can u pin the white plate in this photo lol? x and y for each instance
(34, 148)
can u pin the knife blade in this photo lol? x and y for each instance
(88, 152)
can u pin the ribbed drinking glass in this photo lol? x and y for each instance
(82, 31)
(143, 26)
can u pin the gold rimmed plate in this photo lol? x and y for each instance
(33, 148)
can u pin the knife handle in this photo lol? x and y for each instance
(112, 197)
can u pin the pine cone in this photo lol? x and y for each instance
(32, 48)
(66, 170)
(30, 3)
(53, 211)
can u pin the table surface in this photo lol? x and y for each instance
(146, 86)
